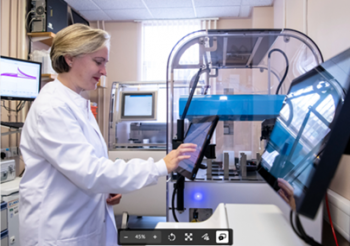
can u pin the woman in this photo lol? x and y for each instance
(69, 183)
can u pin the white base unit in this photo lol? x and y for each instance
(252, 225)
(199, 194)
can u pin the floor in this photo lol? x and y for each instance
(150, 222)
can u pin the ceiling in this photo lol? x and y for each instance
(130, 10)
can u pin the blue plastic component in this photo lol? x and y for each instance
(4, 233)
(233, 107)
(3, 205)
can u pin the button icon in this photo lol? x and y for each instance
(221, 236)
(188, 236)
(206, 237)
(171, 237)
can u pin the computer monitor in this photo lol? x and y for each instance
(199, 132)
(310, 135)
(20, 79)
(138, 105)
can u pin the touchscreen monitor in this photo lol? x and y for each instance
(199, 132)
(310, 135)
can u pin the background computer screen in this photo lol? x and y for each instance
(310, 135)
(20, 79)
(137, 105)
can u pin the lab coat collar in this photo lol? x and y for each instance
(84, 105)
(80, 101)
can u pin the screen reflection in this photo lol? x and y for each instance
(300, 133)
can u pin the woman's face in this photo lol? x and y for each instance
(87, 69)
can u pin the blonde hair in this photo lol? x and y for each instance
(75, 40)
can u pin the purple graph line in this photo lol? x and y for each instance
(19, 75)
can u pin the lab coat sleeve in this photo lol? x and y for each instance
(61, 141)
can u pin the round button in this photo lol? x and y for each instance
(171, 237)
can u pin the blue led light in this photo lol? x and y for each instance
(198, 196)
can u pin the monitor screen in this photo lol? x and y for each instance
(310, 135)
(138, 105)
(20, 79)
(199, 133)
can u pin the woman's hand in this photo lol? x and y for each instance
(114, 199)
(181, 153)
(286, 191)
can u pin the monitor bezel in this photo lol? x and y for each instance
(153, 117)
(308, 202)
(39, 87)
(192, 175)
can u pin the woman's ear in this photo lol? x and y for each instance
(69, 60)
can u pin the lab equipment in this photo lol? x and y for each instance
(135, 114)
(199, 133)
(154, 132)
(20, 79)
(138, 105)
(242, 76)
(8, 170)
(139, 137)
(10, 195)
(233, 107)
(310, 134)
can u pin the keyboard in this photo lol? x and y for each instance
(12, 124)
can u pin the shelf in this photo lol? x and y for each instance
(48, 77)
(43, 37)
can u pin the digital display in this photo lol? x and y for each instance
(307, 126)
(20, 79)
(196, 134)
(199, 133)
(300, 130)
(138, 105)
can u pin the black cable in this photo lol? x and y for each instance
(19, 107)
(287, 67)
(299, 230)
(173, 203)
(29, 47)
(292, 224)
(28, 31)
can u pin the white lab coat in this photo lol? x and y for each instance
(68, 175)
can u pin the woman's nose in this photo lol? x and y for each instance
(103, 71)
